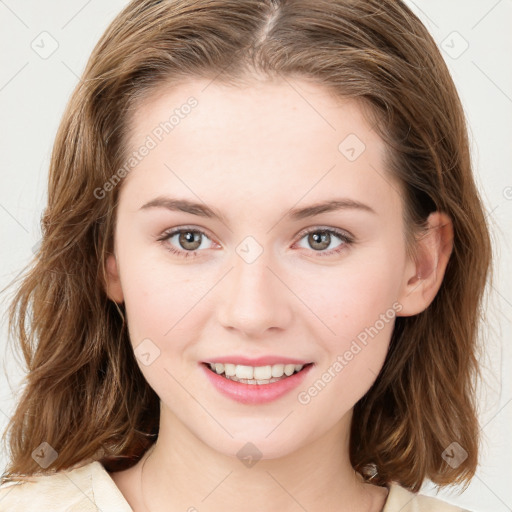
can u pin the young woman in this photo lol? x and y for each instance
(256, 287)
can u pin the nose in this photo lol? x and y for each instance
(254, 299)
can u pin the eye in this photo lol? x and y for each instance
(320, 239)
(184, 242)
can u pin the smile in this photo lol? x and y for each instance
(255, 374)
(255, 384)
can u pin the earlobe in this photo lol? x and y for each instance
(425, 273)
(113, 285)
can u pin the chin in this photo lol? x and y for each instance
(253, 440)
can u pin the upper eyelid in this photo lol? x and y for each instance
(173, 231)
(336, 231)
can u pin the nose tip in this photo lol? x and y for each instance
(253, 300)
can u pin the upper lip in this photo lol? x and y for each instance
(258, 361)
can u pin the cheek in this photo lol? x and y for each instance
(154, 296)
(166, 304)
(351, 297)
(357, 302)
(162, 321)
(360, 311)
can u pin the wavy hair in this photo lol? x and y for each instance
(84, 393)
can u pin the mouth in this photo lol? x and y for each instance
(256, 375)
(253, 385)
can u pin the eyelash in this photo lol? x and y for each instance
(345, 238)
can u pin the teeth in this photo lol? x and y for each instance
(262, 372)
(289, 369)
(256, 374)
(278, 370)
(230, 370)
(244, 372)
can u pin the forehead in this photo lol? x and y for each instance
(264, 139)
(289, 109)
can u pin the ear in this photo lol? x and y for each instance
(113, 284)
(425, 270)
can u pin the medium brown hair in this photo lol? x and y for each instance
(84, 393)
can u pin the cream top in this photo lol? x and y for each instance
(90, 488)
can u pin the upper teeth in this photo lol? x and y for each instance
(255, 372)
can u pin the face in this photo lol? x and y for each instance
(255, 275)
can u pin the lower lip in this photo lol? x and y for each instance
(255, 393)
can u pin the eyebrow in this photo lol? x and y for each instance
(202, 210)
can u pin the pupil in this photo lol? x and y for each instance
(322, 239)
(189, 237)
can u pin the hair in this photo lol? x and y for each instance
(84, 393)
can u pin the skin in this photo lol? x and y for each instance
(253, 153)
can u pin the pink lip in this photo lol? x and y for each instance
(259, 361)
(255, 393)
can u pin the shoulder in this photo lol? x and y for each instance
(403, 500)
(80, 489)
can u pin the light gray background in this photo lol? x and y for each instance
(35, 86)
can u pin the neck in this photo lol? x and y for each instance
(180, 472)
